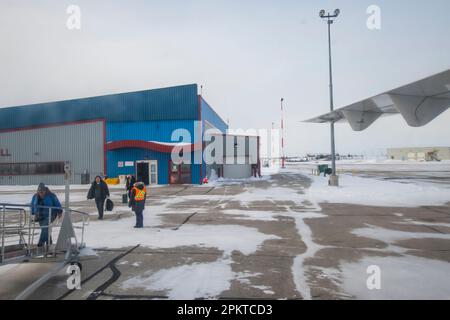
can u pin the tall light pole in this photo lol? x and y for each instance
(334, 180)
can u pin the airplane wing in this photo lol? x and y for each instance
(419, 103)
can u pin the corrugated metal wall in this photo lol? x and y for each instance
(237, 171)
(239, 153)
(212, 117)
(172, 103)
(81, 144)
(236, 146)
(133, 155)
(160, 131)
(150, 115)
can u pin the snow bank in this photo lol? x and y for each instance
(367, 191)
(226, 181)
(213, 175)
(88, 252)
(270, 170)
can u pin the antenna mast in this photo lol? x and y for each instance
(283, 156)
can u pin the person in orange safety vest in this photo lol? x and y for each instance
(137, 202)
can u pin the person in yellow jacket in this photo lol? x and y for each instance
(137, 202)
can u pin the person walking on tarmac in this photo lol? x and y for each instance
(131, 180)
(40, 204)
(99, 191)
(137, 202)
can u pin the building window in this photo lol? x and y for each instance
(4, 169)
(33, 168)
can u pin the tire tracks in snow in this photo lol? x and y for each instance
(196, 212)
(116, 275)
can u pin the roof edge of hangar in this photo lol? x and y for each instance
(100, 96)
(177, 102)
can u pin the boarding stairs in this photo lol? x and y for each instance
(19, 233)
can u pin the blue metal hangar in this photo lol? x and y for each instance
(111, 135)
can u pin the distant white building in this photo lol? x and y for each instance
(419, 154)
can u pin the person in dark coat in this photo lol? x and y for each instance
(137, 202)
(40, 202)
(99, 191)
(131, 180)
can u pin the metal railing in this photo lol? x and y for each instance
(19, 225)
(18, 232)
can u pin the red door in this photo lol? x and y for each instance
(179, 173)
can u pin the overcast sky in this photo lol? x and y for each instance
(246, 54)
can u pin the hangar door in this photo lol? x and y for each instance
(237, 171)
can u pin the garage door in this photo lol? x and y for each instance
(237, 171)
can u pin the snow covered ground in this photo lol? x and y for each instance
(198, 280)
(382, 164)
(271, 200)
(374, 192)
(227, 181)
(354, 190)
(402, 277)
(210, 236)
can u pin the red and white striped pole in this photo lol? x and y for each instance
(282, 135)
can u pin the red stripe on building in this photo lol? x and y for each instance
(148, 145)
